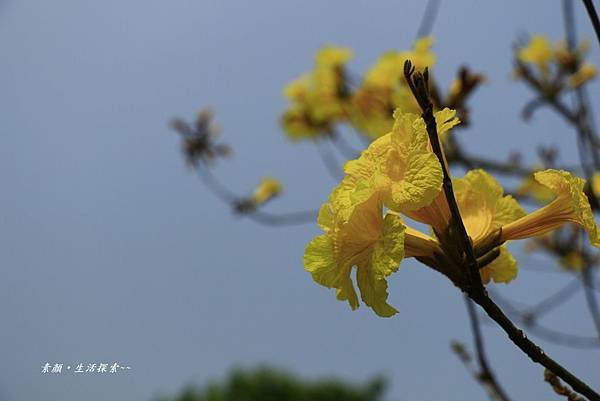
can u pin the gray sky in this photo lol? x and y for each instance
(112, 251)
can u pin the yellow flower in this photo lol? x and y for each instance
(365, 239)
(318, 98)
(298, 89)
(333, 56)
(484, 209)
(266, 190)
(585, 73)
(421, 56)
(539, 52)
(570, 206)
(384, 89)
(483, 206)
(298, 125)
(389, 69)
(400, 165)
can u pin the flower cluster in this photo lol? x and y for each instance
(555, 65)
(399, 175)
(327, 95)
(318, 99)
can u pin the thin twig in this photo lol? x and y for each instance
(428, 19)
(215, 186)
(545, 333)
(284, 219)
(535, 353)
(554, 300)
(345, 149)
(486, 375)
(329, 161)
(260, 216)
(587, 276)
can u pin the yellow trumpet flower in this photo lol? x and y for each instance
(571, 205)
(399, 172)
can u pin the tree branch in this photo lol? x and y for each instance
(474, 287)
(428, 18)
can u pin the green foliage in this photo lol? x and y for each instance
(267, 384)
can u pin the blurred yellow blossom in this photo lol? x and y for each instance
(586, 72)
(384, 89)
(317, 99)
(266, 190)
(539, 51)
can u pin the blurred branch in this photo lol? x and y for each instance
(284, 219)
(329, 161)
(428, 19)
(457, 156)
(484, 374)
(551, 302)
(257, 215)
(587, 276)
(547, 334)
(345, 149)
(200, 150)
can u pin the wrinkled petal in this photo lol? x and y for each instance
(384, 260)
(566, 185)
(346, 292)
(320, 261)
(373, 291)
(483, 205)
(445, 119)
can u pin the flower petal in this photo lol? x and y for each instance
(384, 260)
(320, 261)
(483, 205)
(503, 269)
(566, 185)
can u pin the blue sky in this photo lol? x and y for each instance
(113, 251)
